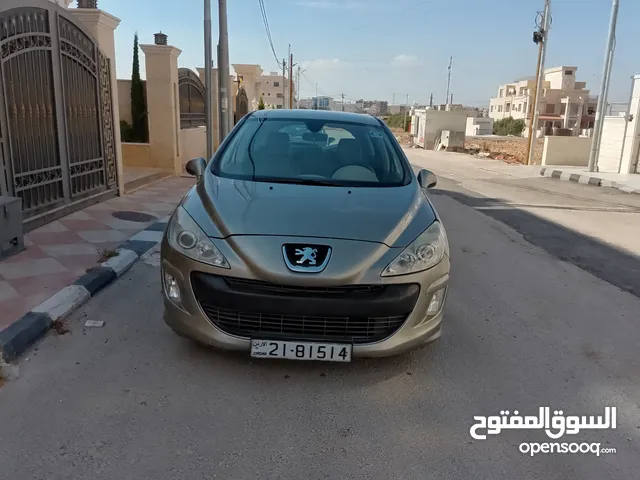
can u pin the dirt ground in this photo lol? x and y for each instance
(510, 150)
(404, 138)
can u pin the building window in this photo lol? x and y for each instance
(501, 94)
(499, 108)
(492, 108)
(278, 107)
(507, 107)
(276, 84)
(568, 72)
(269, 94)
(519, 107)
(279, 95)
(551, 109)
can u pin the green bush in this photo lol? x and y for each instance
(261, 104)
(508, 126)
(126, 131)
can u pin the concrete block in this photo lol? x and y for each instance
(64, 302)
(121, 262)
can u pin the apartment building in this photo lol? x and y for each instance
(564, 102)
(373, 107)
(274, 89)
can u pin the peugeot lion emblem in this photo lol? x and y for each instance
(306, 258)
(306, 254)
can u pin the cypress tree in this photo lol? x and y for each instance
(140, 132)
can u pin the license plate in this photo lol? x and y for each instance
(327, 352)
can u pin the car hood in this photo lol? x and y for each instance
(224, 207)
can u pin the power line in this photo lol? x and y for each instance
(265, 20)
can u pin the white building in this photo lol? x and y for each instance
(479, 126)
(564, 102)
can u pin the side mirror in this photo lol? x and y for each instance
(196, 167)
(427, 179)
(331, 140)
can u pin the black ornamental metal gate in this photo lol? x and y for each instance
(192, 101)
(57, 141)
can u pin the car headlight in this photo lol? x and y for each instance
(423, 253)
(187, 237)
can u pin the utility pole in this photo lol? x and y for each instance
(451, 102)
(291, 80)
(541, 36)
(207, 77)
(342, 94)
(537, 38)
(404, 120)
(449, 78)
(316, 102)
(284, 81)
(393, 99)
(223, 69)
(298, 85)
(604, 89)
(431, 100)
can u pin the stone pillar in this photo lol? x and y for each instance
(214, 104)
(163, 105)
(631, 145)
(102, 26)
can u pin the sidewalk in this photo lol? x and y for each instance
(629, 183)
(58, 253)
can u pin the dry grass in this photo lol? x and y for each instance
(60, 327)
(104, 255)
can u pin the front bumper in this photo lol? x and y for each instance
(206, 291)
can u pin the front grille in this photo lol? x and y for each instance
(349, 329)
(258, 286)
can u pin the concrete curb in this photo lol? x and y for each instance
(585, 179)
(24, 332)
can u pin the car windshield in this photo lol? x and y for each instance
(313, 151)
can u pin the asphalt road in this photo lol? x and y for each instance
(523, 329)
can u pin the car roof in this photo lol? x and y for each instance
(326, 115)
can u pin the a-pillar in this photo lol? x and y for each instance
(163, 105)
(101, 25)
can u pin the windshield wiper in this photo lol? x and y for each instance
(305, 181)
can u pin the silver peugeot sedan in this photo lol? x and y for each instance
(307, 236)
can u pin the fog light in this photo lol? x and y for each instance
(171, 287)
(437, 298)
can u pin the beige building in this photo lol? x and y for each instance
(564, 102)
(273, 89)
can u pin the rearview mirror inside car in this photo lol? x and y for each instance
(196, 167)
(427, 179)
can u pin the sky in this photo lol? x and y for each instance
(388, 49)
